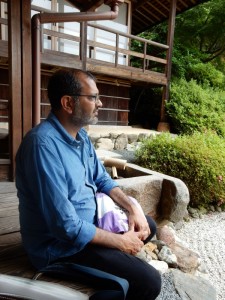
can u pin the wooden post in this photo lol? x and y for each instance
(83, 45)
(15, 93)
(26, 67)
(163, 125)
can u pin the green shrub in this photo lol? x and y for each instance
(194, 108)
(183, 59)
(198, 160)
(206, 74)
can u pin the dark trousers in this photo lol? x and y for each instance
(144, 280)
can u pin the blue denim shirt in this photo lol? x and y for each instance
(57, 177)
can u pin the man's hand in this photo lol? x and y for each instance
(138, 223)
(129, 242)
(137, 219)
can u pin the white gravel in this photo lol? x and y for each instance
(168, 291)
(207, 237)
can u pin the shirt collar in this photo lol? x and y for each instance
(62, 131)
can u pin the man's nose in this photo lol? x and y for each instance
(99, 103)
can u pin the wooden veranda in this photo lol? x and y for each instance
(23, 97)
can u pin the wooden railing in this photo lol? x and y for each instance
(144, 55)
(86, 47)
(151, 57)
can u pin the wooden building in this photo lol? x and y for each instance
(39, 36)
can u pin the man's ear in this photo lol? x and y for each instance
(67, 104)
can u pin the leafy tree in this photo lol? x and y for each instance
(198, 59)
(203, 29)
(199, 37)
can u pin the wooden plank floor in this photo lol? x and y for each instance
(13, 259)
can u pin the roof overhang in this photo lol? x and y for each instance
(145, 13)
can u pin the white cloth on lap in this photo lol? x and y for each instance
(111, 216)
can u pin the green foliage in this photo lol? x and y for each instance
(198, 160)
(199, 38)
(184, 59)
(206, 74)
(181, 59)
(194, 108)
(139, 45)
(197, 98)
(202, 29)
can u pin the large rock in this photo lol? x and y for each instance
(104, 143)
(193, 287)
(166, 234)
(121, 142)
(168, 256)
(174, 199)
(161, 196)
(94, 136)
(132, 137)
(161, 266)
(188, 261)
(146, 189)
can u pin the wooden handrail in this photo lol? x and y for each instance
(134, 37)
(3, 21)
(116, 49)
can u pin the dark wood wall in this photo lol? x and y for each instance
(115, 99)
(45, 105)
(4, 95)
(4, 118)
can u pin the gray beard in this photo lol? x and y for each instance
(80, 119)
(83, 121)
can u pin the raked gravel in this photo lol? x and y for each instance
(207, 237)
(168, 291)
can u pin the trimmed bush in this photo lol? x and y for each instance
(198, 160)
(206, 74)
(194, 108)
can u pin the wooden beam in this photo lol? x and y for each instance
(139, 4)
(163, 5)
(170, 39)
(178, 8)
(3, 48)
(147, 76)
(59, 59)
(183, 3)
(149, 12)
(83, 44)
(15, 96)
(157, 9)
(140, 21)
(3, 21)
(26, 66)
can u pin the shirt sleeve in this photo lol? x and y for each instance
(46, 181)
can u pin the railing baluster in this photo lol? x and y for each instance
(144, 60)
(117, 49)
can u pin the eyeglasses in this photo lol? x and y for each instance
(92, 98)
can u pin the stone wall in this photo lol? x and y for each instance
(117, 140)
